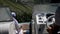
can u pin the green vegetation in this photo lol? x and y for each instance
(24, 12)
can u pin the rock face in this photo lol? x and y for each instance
(25, 27)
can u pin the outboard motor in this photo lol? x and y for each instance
(7, 28)
(42, 13)
(7, 24)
